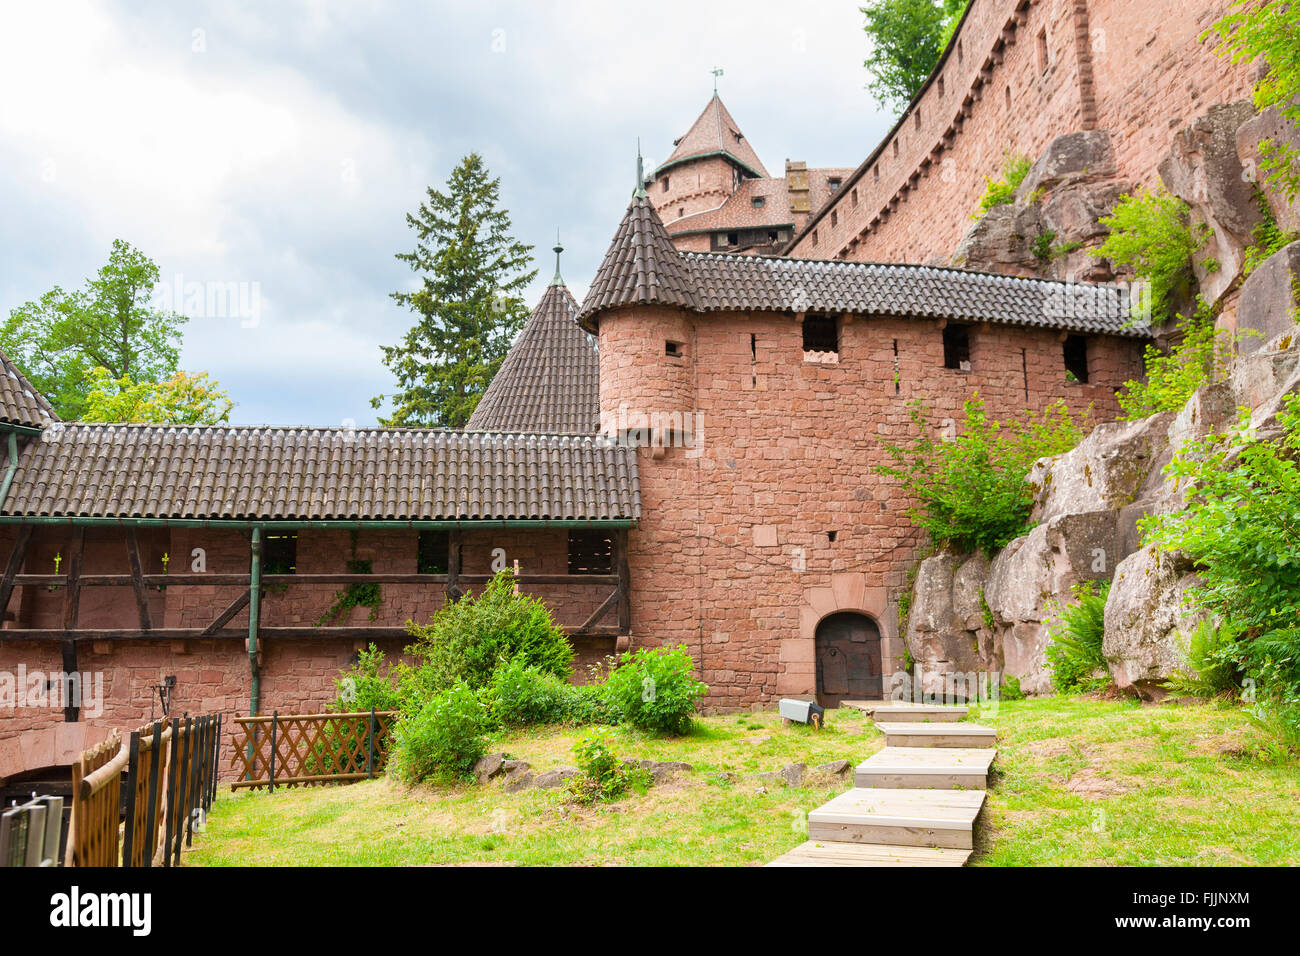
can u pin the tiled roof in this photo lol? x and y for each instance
(641, 266)
(549, 381)
(713, 282)
(738, 212)
(20, 404)
(715, 132)
(215, 472)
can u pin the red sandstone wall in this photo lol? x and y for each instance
(695, 186)
(1134, 68)
(788, 456)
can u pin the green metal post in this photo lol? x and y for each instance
(11, 470)
(254, 611)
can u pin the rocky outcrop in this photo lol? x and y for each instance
(1270, 298)
(1203, 169)
(946, 631)
(1147, 621)
(1269, 126)
(1056, 216)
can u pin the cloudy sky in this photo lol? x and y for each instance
(275, 150)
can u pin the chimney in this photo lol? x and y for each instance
(796, 184)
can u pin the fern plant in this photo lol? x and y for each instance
(1074, 652)
(1214, 662)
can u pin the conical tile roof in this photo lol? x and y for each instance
(549, 381)
(716, 132)
(642, 267)
(20, 403)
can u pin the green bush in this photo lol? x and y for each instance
(1152, 234)
(521, 694)
(656, 689)
(467, 639)
(444, 739)
(972, 485)
(1074, 651)
(1000, 192)
(1213, 668)
(1240, 529)
(1200, 357)
(1266, 238)
(368, 684)
(589, 704)
(604, 775)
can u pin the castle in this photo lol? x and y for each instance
(687, 456)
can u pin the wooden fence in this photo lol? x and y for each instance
(285, 751)
(171, 781)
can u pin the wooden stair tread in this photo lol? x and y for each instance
(937, 734)
(931, 759)
(831, 853)
(870, 706)
(932, 809)
(889, 712)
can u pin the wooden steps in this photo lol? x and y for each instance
(930, 733)
(920, 768)
(915, 802)
(926, 818)
(826, 853)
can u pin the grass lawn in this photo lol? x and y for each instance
(1077, 782)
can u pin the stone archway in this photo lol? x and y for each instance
(849, 591)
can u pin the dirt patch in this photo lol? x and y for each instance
(1093, 785)
(1045, 748)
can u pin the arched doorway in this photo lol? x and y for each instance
(848, 658)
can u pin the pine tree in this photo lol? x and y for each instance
(470, 303)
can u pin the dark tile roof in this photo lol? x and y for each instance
(714, 132)
(716, 282)
(549, 381)
(213, 472)
(641, 267)
(20, 404)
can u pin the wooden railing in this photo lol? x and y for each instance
(171, 768)
(296, 749)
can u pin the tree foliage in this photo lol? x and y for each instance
(907, 37)
(971, 483)
(60, 339)
(1268, 29)
(182, 399)
(468, 306)
(1152, 234)
(1200, 357)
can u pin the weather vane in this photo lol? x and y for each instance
(716, 73)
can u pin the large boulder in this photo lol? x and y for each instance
(945, 625)
(1269, 125)
(1203, 168)
(1000, 241)
(1070, 159)
(1103, 472)
(1147, 621)
(1270, 297)
(1035, 573)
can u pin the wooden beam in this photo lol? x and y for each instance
(600, 612)
(293, 632)
(16, 558)
(228, 615)
(137, 579)
(71, 608)
(242, 580)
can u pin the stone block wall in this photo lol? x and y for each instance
(1021, 73)
(778, 518)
